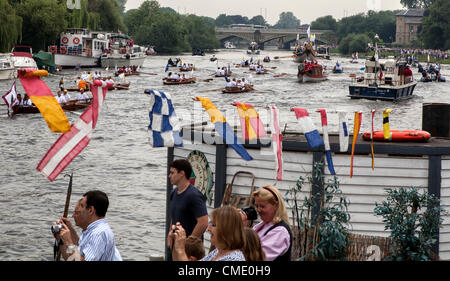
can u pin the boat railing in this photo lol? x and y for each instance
(366, 81)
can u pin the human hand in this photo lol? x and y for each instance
(179, 238)
(65, 235)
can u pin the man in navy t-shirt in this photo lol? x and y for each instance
(187, 204)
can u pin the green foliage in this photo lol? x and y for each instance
(417, 3)
(326, 233)
(10, 27)
(413, 232)
(435, 32)
(287, 20)
(353, 43)
(325, 23)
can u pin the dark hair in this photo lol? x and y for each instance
(182, 165)
(99, 200)
(194, 247)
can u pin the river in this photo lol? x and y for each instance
(120, 161)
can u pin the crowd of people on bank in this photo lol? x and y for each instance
(232, 236)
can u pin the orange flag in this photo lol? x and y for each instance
(356, 127)
(44, 99)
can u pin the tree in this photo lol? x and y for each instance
(199, 34)
(10, 27)
(287, 20)
(43, 21)
(354, 43)
(223, 20)
(325, 23)
(435, 32)
(258, 20)
(417, 3)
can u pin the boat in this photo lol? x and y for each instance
(150, 51)
(229, 45)
(383, 79)
(79, 47)
(323, 51)
(179, 81)
(304, 52)
(186, 69)
(399, 136)
(131, 73)
(7, 69)
(122, 52)
(337, 68)
(237, 90)
(354, 58)
(228, 73)
(311, 72)
(73, 105)
(253, 49)
(213, 58)
(266, 59)
(121, 86)
(22, 57)
(198, 52)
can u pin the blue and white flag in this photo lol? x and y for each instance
(343, 132)
(164, 129)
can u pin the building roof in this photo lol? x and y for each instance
(411, 13)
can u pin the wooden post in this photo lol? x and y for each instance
(169, 187)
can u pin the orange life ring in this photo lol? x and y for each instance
(63, 50)
(399, 136)
(53, 49)
(124, 51)
(76, 40)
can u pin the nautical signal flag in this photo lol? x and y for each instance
(343, 132)
(251, 125)
(44, 99)
(223, 128)
(10, 99)
(277, 140)
(386, 129)
(311, 133)
(164, 129)
(70, 144)
(323, 115)
(356, 128)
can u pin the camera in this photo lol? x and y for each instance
(251, 213)
(56, 228)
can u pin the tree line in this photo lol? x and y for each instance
(39, 23)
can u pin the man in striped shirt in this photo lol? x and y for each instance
(97, 239)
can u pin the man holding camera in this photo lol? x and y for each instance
(97, 239)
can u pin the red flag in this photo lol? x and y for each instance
(70, 144)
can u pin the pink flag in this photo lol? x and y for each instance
(277, 139)
(70, 144)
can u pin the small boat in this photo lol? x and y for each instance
(180, 81)
(229, 45)
(187, 69)
(7, 69)
(220, 75)
(338, 70)
(121, 86)
(253, 49)
(150, 51)
(117, 73)
(237, 90)
(311, 72)
(262, 72)
(399, 136)
(384, 80)
(23, 57)
(213, 58)
(266, 59)
(76, 89)
(198, 52)
(72, 105)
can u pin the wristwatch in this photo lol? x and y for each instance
(70, 248)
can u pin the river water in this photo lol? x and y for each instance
(119, 160)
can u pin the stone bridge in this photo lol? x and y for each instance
(284, 36)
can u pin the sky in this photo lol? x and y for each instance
(305, 10)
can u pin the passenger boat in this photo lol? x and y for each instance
(253, 49)
(311, 72)
(399, 136)
(229, 45)
(122, 52)
(7, 69)
(237, 90)
(22, 57)
(383, 79)
(323, 51)
(179, 81)
(73, 105)
(79, 47)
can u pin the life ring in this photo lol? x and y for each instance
(76, 40)
(399, 136)
(124, 51)
(52, 49)
(65, 40)
(63, 50)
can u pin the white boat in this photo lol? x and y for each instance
(229, 45)
(7, 69)
(22, 57)
(122, 52)
(383, 79)
(311, 72)
(323, 51)
(80, 47)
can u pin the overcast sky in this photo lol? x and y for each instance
(305, 10)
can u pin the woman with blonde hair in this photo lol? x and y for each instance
(227, 235)
(273, 230)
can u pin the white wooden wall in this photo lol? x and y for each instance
(363, 190)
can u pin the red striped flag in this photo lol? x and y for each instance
(277, 140)
(70, 144)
